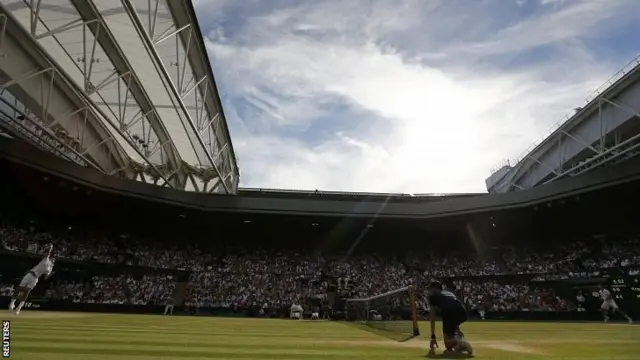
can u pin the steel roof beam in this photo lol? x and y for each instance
(205, 152)
(183, 14)
(69, 89)
(39, 96)
(98, 118)
(89, 13)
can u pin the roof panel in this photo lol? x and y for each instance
(66, 48)
(184, 15)
(162, 91)
(134, 49)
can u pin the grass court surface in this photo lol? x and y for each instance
(37, 335)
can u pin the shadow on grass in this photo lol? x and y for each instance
(447, 355)
(389, 329)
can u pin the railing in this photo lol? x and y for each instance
(42, 140)
(630, 66)
(614, 79)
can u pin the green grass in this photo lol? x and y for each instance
(37, 335)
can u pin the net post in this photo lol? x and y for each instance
(414, 316)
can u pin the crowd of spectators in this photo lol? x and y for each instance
(515, 296)
(238, 278)
(122, 289)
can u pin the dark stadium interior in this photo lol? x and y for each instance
(599, 211)
(115, 247)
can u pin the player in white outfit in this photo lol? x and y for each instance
(296, 311)
(30, 280)
(608, 304)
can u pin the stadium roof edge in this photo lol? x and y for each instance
(191, 12)
(320, 206)
(583, 111)
(353, 193)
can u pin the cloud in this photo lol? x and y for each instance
(402, 96)
(581, 20)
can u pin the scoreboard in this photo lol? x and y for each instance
(625, 290)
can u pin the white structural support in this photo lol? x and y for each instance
(172, 39)
(168, 126)
(144, 126)
(38, 101)
(605, 131)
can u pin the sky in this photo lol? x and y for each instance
(404, 96)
